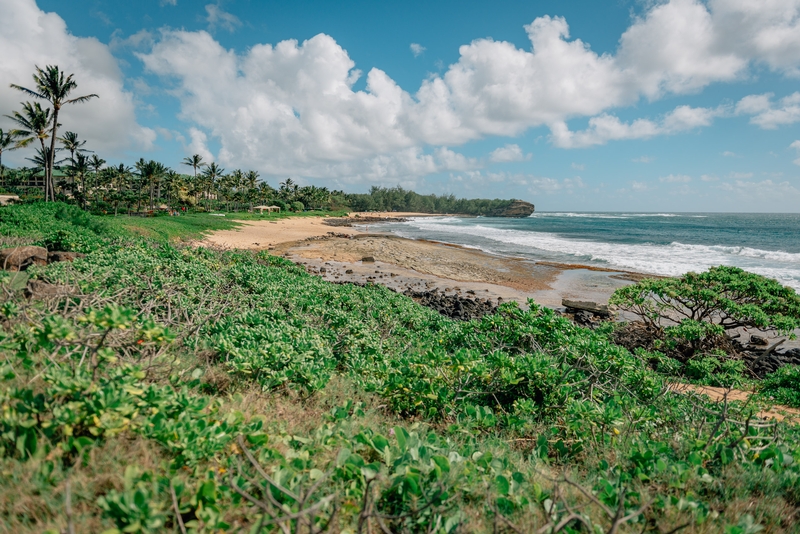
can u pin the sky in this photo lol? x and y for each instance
(645, 105)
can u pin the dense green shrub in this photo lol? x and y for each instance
(783, 386)
(728, 297)
(686, 321)
(56, 226)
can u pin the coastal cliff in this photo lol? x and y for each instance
(518, 209)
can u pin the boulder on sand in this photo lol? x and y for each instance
(20, 258)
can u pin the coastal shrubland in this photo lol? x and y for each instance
(183, 389)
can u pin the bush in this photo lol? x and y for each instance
(783, 386)
(687, 320)
(728, 297)
(55, 226)
(297, 206)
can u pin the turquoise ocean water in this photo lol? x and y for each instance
(659, 243)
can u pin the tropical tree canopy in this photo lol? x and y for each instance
(52, 85)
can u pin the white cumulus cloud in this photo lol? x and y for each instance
(291, 108)
(508, 153)
(29, 37)
(768, 114)
(605, 128)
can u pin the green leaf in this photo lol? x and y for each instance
(441, 462)
(402, 437)
(502, 485)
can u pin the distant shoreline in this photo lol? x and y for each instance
(401, 263)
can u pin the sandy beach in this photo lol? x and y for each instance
(259, 235)
(336, 254)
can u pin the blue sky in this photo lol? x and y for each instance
(676, 105)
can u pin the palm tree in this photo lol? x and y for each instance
(53, 86)
(71, 143)
(150, 172)
(120, 176)
(195, 162)
(41, 159)
(173, 184)
(8, 142)
(288, 190)
(96, 163)
(211, 175)
(77, 170)
(251, 179)
(33, 123)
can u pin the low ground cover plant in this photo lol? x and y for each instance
(191, 390)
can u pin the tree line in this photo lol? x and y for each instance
(84, 178)
(399, 199)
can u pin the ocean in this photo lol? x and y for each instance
(659, 243)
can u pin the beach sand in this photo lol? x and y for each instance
(401, 263)
(258, 235)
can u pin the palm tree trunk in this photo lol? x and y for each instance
(44, 156)
(51, 158)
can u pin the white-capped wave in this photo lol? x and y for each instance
(670, 260)
(580, 215)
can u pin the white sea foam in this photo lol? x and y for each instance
(671, 260)
(579, 215)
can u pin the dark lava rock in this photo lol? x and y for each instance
(763, 364)
(517, 208)
(347, 221)
(20, 258)
(755, 339)
(367, 259)
(453, 306)
(349, 271)
(586, 318)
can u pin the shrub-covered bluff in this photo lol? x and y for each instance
(184, 389)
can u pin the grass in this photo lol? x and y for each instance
(182, 228)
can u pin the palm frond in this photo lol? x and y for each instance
(81, 99)
(30, 92)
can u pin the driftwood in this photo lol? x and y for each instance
(593, 307)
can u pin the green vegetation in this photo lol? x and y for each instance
(188, 226)
(184, 389)
(783, 386)
(399, 199)
(686, 321)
